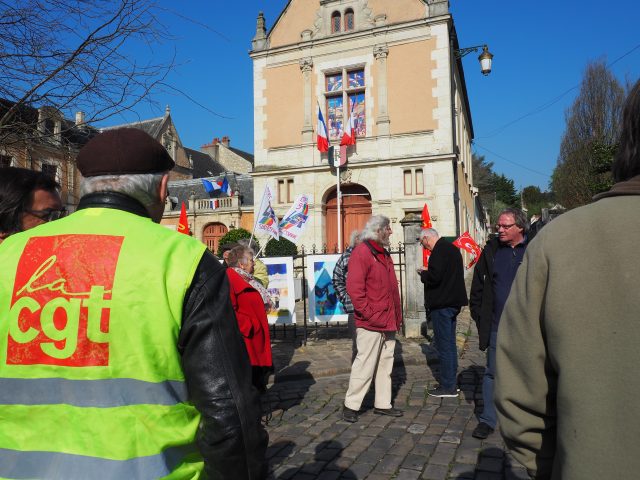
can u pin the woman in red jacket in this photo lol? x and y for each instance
(250, 301)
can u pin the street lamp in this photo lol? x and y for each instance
(485, 57)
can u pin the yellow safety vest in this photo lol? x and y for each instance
(90, 379)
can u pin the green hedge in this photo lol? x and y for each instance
(280, 248)
(233, 236)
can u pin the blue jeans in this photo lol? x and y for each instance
(488, 414)
(444, 330)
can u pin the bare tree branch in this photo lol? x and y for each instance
(97, 56)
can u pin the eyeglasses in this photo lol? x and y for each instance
(49, 214)
(506, 227)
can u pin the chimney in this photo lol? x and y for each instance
(79, 119)
(41, 121)
(211, 149)
(225, 141)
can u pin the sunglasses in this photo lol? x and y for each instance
(49, 214)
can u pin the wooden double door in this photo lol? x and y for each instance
(356, 211)
(212, 234)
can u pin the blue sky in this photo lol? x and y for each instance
(541, 50)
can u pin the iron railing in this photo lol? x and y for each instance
(302, 330)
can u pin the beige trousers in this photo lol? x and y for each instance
(375, 357)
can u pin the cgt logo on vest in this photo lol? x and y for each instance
(61, 301)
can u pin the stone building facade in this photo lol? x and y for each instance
(231, 159)
(392, 65)
(42, 139)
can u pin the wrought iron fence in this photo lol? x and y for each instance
(302, 330)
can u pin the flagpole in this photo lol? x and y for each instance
(259, 251)
(258, 216)
(339, 209)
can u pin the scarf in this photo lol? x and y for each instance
(255, 284)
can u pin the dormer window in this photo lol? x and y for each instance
(336, 20)
(348, 20)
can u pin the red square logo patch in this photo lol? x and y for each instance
(61, 301)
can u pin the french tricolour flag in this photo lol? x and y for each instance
(349, 135)
(323, 136)
(209, 186)
(226, 188)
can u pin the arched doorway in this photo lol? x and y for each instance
(212, 234)
(356, 210)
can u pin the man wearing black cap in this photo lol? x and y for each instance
(122, 331)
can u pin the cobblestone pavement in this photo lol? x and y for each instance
(309, 439)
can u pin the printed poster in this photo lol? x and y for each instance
(281, 290)
(324, 305)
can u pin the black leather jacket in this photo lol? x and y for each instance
(216, 367)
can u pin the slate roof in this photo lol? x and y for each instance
(153, 126)
(203, 165)
(181, 190)
(241, 153)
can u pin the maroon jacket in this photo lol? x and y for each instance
(252, 319)
(373, 288)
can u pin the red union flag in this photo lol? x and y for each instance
(468, 244)
(426, 219)
(426, 223)
(183, 223)
(61, 301)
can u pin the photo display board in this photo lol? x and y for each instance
(324, 305)
(281, 290)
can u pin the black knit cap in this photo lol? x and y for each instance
(123, 151)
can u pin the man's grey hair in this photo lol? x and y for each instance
(429, 232)
(354, 238)
(374, 226)
(143, 187)
(518, 216)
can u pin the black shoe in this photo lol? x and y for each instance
(349, 415)
(437, 385)
(482, 431)
(391, 412)
(442, 392)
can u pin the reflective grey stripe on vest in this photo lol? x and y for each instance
(65, 466)
(113, 392)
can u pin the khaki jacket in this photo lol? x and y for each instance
(569, 343)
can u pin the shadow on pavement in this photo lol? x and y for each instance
(326, 457)
(398, 374)
(491, 463)
(285, 393)
(470, 384)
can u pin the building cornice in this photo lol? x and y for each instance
(404, 160)
(348, 36)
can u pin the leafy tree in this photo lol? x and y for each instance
(233, 236)
(496, 192)
(534, 200)
(589, 140)
(505, 191)
(483, 179)
(280, 248)
(75, 54)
